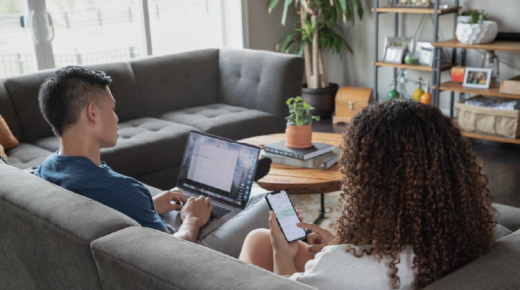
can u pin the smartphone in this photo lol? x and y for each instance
(286, 216)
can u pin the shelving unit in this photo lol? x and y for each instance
(437, 67)
(493, 90)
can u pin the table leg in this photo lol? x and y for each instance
(322, 209)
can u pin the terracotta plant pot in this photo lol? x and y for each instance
(299, 137)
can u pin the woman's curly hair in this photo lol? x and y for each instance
(410, 179)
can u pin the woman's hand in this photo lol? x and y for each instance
(319, 239)
(280, 245)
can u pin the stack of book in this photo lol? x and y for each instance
(319, 156)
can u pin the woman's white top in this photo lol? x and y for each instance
(334, 268)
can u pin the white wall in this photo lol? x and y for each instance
(355, 69)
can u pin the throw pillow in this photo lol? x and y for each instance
(7, 140)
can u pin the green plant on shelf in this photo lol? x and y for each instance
(299, 112)
(475, 16)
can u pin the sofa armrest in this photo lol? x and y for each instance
(140, 258)
(508, 216)
(259, 80)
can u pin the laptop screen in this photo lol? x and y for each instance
(217, 167)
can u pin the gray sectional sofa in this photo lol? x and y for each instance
(231, 93)
(51, 238)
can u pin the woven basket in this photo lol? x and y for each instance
(488, 121)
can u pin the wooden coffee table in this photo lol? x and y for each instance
(299, 180)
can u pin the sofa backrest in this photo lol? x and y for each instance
(177, 81)
(255, 79)
(30, 125)
(46, 231)
(129, 104)
(140, 258)
(500, 269)
(8, 112)
(23, 91)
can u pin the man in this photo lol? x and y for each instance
(79, 106)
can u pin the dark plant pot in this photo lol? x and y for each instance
(323, 99)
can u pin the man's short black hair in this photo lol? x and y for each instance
(63, 96)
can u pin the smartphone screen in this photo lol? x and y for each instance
(286, 215)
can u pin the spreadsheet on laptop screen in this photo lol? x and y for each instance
(219, 168)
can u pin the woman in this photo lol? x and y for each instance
(414, 207)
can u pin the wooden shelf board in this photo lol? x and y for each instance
(512, 46)
(491, 138)
(444, 66)
(416, 10)
(494, 90)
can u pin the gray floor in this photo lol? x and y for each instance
(501, 163)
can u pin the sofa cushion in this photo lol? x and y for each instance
(27, 155)
(177, 81)
(260, 80)
(226, 121)
(139, 258)
(144, 145)
(46, 231)
(124, 88)
(8, 112)
(23, 91)
(496, 270)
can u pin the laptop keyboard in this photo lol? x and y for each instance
(218, 212)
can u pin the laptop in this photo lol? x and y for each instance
(219, 168)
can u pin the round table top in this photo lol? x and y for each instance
(298, 179)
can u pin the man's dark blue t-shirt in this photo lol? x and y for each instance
(102, 184)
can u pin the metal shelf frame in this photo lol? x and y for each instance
(437, 56)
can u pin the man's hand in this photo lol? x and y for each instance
(319, 239)
(197, 209)
(163, 201)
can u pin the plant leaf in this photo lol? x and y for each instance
(289, 101)
(285, 8)
(272, 4)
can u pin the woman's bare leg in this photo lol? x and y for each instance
(257, 250)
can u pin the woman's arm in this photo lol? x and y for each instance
(283, 263)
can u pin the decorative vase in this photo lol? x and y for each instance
(322, 99)
(477, 33)
(298, 137)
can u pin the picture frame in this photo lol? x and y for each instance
(394, 54)
(476, 77)
(406, 42)
(425, 52)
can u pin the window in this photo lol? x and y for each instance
(42, 34)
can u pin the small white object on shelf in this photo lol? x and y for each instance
(477, 33)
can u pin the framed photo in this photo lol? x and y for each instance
(425, 52)
(394, 54)
(405, 42)
(477, 77)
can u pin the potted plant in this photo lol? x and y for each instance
(315, 32)
(299, 124)
(473, 28)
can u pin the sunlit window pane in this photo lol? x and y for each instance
(95, 31)
(16, 55)
(183, 25)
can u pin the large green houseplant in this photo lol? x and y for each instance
(317, 31)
